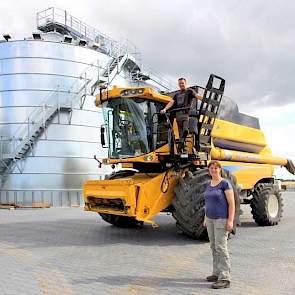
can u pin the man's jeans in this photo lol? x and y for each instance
(218, 235)
(182, 124)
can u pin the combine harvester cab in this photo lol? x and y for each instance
(156, 178)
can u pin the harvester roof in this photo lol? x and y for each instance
(128, 92)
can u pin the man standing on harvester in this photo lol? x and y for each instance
(182, 101)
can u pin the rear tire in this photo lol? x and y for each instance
(266, 204)
(189, 203)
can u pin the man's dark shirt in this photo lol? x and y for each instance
(184, 99)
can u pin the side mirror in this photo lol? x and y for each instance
(102, 136)
(99, 162)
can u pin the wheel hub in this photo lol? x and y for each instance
(273, 206)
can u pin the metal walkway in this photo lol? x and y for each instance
(58, 20)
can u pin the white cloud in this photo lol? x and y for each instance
(278, 124)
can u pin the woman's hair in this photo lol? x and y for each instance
(214, 162)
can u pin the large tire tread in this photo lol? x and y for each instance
(189, 202)
(259, 204)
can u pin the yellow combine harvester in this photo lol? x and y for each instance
(155, 175)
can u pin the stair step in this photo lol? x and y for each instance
(113, 65)
(22, 152)
(7, 158)
(65, 109)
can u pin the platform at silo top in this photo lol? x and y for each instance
(69, 251)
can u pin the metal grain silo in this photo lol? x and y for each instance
(49, 126)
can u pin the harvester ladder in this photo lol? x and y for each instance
(208, 111)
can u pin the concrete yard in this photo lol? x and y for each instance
(69, 251)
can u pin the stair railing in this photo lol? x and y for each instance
(41, 115)
(157, 77)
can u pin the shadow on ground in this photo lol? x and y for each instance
(53, 229)
(89, 232)
(146, 281)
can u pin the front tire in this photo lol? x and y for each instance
(266, 204)
(189, 202)
(121, 221)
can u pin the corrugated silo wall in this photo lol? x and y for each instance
(62, 158)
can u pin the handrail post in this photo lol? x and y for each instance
(1, 148)
(28, 127)
(118, 63)
(98, 77)
(108, 65)
(85, 85)
(58, 105)
(43, 114)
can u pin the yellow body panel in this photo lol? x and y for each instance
(240, 133)
(143, 195)
(145, 92)
(123, 189)
(248, 174)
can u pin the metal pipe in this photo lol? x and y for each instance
(236, 156)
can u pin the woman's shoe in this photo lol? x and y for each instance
(221, 284)
(212, 278)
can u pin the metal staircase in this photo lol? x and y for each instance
(16, 148)
(145, 73)
(114, 67)
(57, 102)
(23, 145)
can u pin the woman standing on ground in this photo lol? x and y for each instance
(219, 218)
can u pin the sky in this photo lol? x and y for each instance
(249, 43)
